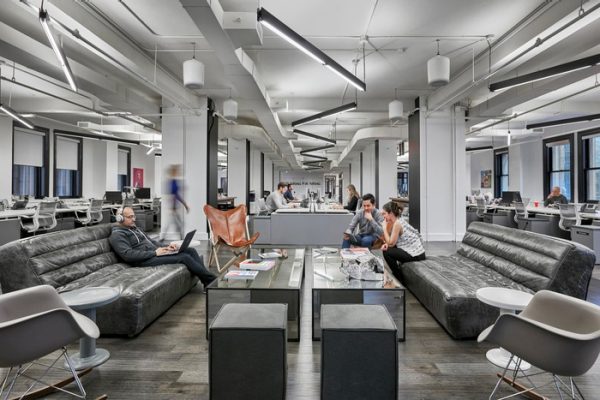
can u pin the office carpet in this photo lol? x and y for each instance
(169, 359)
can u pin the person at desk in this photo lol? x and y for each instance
(276, 200)
(288, 195)
(369, 221)
(402, 242)
(353, 197)
(133, 246)
(555, 197)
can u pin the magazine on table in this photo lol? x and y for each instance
(354, 253)
(240, 275)
(257, 265)
(271, 254)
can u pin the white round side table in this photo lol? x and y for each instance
(508, 301)
(85, 301)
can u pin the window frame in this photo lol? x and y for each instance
(547, 163)
(498, 153)
(69, 135)
(583, 163)
(45, 184)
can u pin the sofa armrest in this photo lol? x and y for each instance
(16, 270)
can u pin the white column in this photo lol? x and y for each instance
(388, 175)
(255, 170)
(355, 173)
(368, 171)
(236, 169)
(94, 168)
(185, 143)
(158, 176)
(6, 149)
(442, 147)
(112, 165)
(268, 176)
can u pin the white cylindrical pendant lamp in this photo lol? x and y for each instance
(230, 109)
(395, 110)
(193, 74)
(438, 71)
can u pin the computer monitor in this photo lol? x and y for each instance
(142, 193)
(220, 190)
(511, 197)
(114, 197)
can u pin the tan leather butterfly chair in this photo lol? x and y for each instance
(228, 229)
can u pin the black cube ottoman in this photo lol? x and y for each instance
(247, 352)
(359, 353)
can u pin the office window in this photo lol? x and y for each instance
(124, 168)
(501, 172)
(30, 162)
(590, 173)
(558, 165)
(67, 166)
(403, 183)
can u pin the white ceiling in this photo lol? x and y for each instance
(401, 38)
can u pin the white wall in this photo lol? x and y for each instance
(158, 186)
(481, 161)
(236, 166)
(139, 159)
(6, 126)
(94, 168)
(355, 173)
(302, 180)
(255, 170)
(112, 166)
(388, 176)
(268, 177)
(532, 172)
(368, 171)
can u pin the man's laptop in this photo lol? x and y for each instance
(184, 245)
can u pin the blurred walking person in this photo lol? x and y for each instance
(174, 189)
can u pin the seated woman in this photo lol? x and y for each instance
(402, 242)
(353, 197)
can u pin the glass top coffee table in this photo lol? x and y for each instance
(332, 286)
(281, 284)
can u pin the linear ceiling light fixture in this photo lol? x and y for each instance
(320, 158)
(62, 60)
(547, 73)
(14, 115)
(329, 146)
(328, 113)
(565, 121)
(281, 29)
(312, 135)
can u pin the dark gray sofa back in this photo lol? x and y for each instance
(55, 259)
(533, 260)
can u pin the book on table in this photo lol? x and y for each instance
(271, 254)
(257, 265)
(240, 274)
(354, 252)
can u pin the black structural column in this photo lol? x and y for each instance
(414, 172)
(212, 147)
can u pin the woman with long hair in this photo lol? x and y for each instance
(402, 242)
(353, 197)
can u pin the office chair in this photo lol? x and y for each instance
(556, 333)
(569, 216)
(92, 215)
(481, 208)
(156, 210)
(43, 219)
(35, 322)
(4, 205)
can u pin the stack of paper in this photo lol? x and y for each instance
(354, 253)
(271, 254)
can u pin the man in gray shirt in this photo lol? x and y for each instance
(275, 200)
(555, 197)
(369, 221)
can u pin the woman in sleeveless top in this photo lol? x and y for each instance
(403, 243)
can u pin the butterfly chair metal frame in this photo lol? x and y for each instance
(228, 229)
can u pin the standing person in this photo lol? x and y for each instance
(353, 197)
(176, 199)
(402, 242)
(288, 194)
(369, 220)
(555, 197)
(276, 200)
(133, 246)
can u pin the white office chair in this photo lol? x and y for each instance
(569, 216)
(262, 207)
(92, 215)
(481, 208)
(43, 219)
(156, 210)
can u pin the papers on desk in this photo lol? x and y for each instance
(240, 275)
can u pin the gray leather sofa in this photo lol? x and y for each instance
(82, 257)
(492, 255)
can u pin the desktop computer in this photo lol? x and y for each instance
(510, 197)
(142, 193)
(113, 197)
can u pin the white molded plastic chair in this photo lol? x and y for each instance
(556, 333)
(481, 207)
(93, 214)
(569, 216)
(43, 219)
(35, 322)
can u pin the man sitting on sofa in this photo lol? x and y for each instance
(369, 221)
(134, 247)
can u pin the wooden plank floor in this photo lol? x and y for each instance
(168, 360)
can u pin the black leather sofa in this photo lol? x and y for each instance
(492, 255)
(82, 257)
